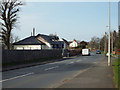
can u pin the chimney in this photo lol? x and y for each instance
(55, 34)
(33, 31)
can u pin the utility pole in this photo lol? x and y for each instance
(105, 47)
(112, 41)
(109, 61)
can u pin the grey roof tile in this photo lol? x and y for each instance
(32, 40)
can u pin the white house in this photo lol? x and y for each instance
(39, 42)
(29, 43)
(73, 44)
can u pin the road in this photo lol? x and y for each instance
(49, 75)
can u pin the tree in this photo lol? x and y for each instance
(119, 38)
(13, 38)
(102, 43)
(95, 43)
(8, 15)
(115, 39)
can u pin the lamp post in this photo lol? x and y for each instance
(105, 46)
(109, 61)
(112, 37)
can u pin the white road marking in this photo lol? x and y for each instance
(70, 63)
(17, 77)
(78, 60)
(51, 68)
(51, 63)
(95, 62)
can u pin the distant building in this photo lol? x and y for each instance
(39, 42)
(84, 43)
(73, 44)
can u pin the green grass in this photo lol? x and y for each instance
(116, 69)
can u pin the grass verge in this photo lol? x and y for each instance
(116, 69)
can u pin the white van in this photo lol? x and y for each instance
(85, 52)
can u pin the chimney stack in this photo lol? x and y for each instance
(33, 31)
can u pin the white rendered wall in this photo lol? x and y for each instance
(27, 47)
(73, 44)
(30, 47)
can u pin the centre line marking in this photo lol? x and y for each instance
(51, 68)
(17, 77)
(78, 60)
(71, 62)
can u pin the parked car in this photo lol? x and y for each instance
(98, 52)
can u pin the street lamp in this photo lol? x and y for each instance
(112, 37)
(105, 46)
(109, 61)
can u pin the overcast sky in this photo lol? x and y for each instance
(79, 20)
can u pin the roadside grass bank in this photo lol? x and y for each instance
(116, 70)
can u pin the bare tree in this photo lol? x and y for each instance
(94, 43)
(16, 38)
(8, 14)
(119, 38)
(13, 38)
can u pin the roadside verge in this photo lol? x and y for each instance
(116, 70)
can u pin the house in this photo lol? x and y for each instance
(29, 43)
(39, 42)
(52, 41)
(73, 44)
(66, 43)
(84, 43)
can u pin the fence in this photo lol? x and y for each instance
(9, 56)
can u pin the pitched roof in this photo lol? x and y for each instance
(32, 40)
(51, 39)
(65, 41)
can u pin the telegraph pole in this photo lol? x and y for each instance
(112, 41)
(105, 46)
(109, 61)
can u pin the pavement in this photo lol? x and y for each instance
(97, 76)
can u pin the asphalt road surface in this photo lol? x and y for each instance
(49, 75)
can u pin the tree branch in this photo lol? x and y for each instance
(3, 30)
(17, 10)
(8, 14)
